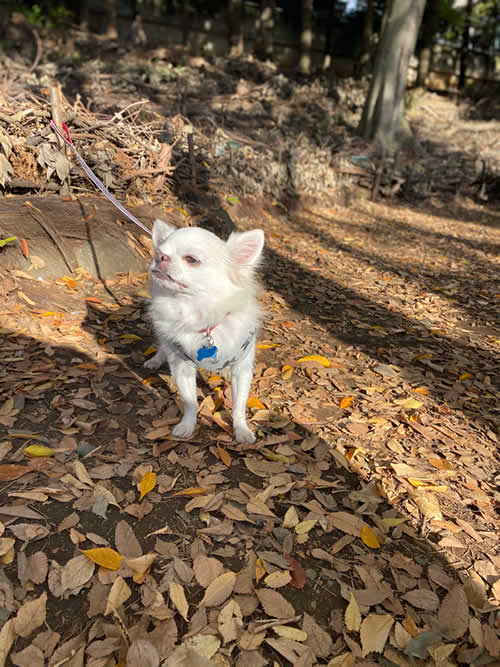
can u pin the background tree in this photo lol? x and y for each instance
(111, 20)
(367, 43)
(430, 28)
(383, 112)
(264, 43)
(306, 36)
(236, 10)
(464, 49)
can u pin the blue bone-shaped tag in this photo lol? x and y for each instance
(206, 353)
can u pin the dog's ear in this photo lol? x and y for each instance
(161, 231)
(243, 254)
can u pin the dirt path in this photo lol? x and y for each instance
(361, 523)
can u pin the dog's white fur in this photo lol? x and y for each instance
(199, 282)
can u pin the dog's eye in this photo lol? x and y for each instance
(190, 259)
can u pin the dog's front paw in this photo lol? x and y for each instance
(184, 429)
(243, 434)
(154, 363)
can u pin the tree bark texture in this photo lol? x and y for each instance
(464, 49)
(111, 20)
(382, 119)
(367, 42)
(430, 27)
(330, 24)
(306, 36)
(265, 29)
(235, 15)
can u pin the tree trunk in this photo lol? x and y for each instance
(265, 29)
(236, 42)
(383, 113)
(430, 27)
(83, 14)
(111, 20)
(367, 43)
(306, 37)
(464, 49)
(328, 54)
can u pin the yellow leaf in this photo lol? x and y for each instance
(254, 402)
(441, 464)
(266, 346)
(346, 402)
(392, 522)
(316, 357)
(305, 526)
(36, 451)
(421, 390)
(425, 355)
(183, 212)
(426, 486)
(105, 557)
(151, 349)
(465, 376)
(369, 538)
(130, 337)
(102, 340)
(23, 296)
(286, 372)
(147, 483)
(225, 456)
(260, 570)
(192, 491)
(87, 366)
(409, 403)
(353, 452)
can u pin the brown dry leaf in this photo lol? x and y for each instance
(258, 506)
(143, 653)
(184, 656)
(230, 622)
(11, 471)
(76, 573)
(235, 513)
(291, 518)
(491, 641)
(278, 579)
(178, 597)
(353, 615)
(119, 593)
(346, 522)
(274, 604)
(141, 565)
(30, 616)
(39, 567)
(319, 641)
(6, 544)
(206, 569)
(219, 590)
(289, 632)
(374, 632)
(454, 613)
(7, 638)
(224, 455)
(343, 660)
(422, 598)
(475, 591)
(126, 542)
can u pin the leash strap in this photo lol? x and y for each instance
(67, 140)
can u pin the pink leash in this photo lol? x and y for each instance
(93, 177)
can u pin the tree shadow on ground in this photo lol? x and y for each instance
(123, 403)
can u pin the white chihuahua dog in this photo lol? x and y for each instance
(205, 313)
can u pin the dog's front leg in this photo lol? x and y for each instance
(241, 380)
(184, 374)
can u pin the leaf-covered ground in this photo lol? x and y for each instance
(362, 523)
(361, 528)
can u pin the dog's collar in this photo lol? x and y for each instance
(220, 366)
(208, 330)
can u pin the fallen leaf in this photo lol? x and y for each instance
(143, 653)
(353, 615)
(274, 604)
(30, 616)
(305, 526)
(319, 641)
(76, 572)
(119, 593)
(316, 357)
(374, 632)
(422, 598)
(206, 569)
(346, 402)
(35, 451)
(369, 538)
(453, 614)
(178, 598)
(219, 590)
(105, 557)
(278, 579)
(147, 484)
